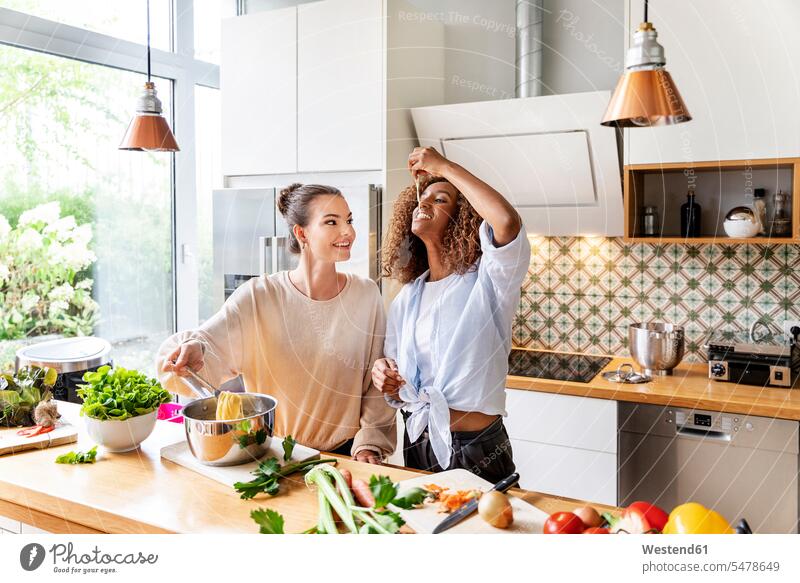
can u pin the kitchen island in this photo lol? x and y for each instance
(138, 492)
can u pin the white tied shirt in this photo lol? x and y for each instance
(465, 364)
(432, 293)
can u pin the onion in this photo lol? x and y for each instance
(588, 516)
(495, 508)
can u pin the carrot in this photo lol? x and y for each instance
(363, 494)
(348, 477)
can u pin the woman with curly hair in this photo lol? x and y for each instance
(462, 253)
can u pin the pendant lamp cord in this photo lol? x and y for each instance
(148, 40)
(645, 11)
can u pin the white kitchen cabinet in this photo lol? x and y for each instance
(28, 529)
(302, 89)
(258, 82)
(564, 471)
(564, 445)
(9, 525)
(735, 65)
(564, 420)
(339, 85)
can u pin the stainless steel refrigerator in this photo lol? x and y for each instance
(250, 235)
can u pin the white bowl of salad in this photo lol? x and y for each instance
(120, 407)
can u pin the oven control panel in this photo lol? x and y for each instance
(707, 421)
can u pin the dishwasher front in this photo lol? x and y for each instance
(740, 465)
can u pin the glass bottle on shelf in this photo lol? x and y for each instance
(649, 221)
(760, 208)
(781, 218)
(690, 217)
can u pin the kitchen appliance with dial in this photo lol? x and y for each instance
(740, 357)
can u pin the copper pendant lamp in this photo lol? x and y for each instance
(148, 130)
(645, 95)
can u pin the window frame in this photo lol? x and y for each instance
(179, 66)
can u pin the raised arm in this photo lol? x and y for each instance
(487, 202)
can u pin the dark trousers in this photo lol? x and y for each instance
(345, 448)
(485, 453)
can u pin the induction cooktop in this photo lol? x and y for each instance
(580, 368)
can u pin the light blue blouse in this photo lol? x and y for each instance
(470, 343)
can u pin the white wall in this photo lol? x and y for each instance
(583, 45)
(479, 46)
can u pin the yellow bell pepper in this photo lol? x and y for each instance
(694, 518)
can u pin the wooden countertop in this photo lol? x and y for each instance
(688, 386)
(138, 492)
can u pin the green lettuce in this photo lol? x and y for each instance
(118, 393)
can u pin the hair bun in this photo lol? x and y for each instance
(285, 197)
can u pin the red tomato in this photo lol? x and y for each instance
(654, 515)
(596, 530)
(563, 523)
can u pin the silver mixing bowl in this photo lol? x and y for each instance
(231, 442)
(657, 347)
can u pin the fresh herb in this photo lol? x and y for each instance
(288, 447)
(21, 392)
(78, 457)
(249, 437)
(411, 499)
(385, 493)
(383, 489)
(267, 475)
(269, 521)
(120, 394)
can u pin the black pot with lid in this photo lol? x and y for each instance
(70, 357)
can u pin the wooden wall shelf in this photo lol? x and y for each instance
(719, 185)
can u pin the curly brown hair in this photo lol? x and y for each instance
(404, 254)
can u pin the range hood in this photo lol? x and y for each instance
(548, 155)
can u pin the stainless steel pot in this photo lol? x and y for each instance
(656, 346)
(230, 442)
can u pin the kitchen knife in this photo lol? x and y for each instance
(472, 505)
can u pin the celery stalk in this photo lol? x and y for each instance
(344, 489)
(319, 476)
(325, 522)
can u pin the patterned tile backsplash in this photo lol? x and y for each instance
(582, 292)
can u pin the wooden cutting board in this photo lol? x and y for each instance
(527, 518)
(10, 442)
(179, 453)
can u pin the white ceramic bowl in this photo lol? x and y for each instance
(119, 436)
(741, 229)
(741, 222)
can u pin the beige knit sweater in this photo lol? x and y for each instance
(314, 357)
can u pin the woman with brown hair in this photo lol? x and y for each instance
(462, 253)
(308, 336)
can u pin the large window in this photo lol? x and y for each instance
(88, 233)
(88, 241)
(208, 126)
